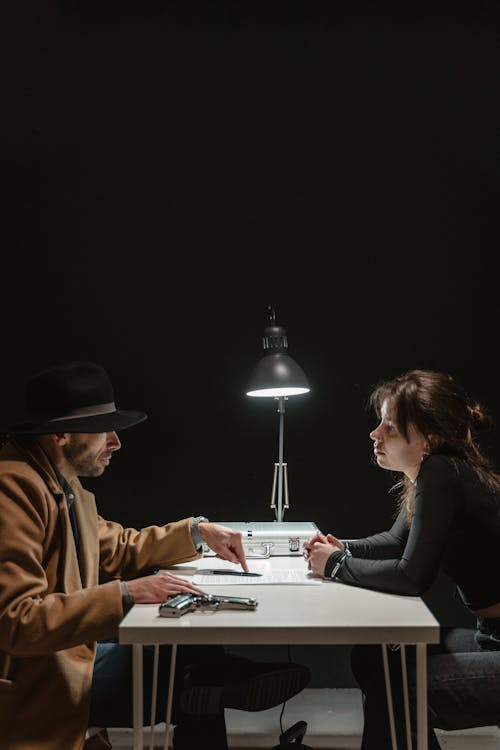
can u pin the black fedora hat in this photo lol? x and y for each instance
(73, 397)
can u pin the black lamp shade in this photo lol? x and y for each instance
(277, 375)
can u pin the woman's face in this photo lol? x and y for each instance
(392, 450)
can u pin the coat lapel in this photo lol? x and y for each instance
(86, 517)
(70, 570)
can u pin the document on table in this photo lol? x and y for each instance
(230, 576)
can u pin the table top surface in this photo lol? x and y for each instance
(329, 613)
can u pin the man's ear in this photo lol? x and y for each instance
(59, 438)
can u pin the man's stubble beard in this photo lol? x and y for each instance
(83, 466)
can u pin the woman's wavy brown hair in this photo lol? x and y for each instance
(442, 412)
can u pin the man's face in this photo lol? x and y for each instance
(90, 453)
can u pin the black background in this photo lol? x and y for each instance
(171, 168)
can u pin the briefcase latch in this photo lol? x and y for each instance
(266, 547)
(294, 543)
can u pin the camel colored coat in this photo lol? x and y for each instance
(52, 610)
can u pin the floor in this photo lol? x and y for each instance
(334, 722)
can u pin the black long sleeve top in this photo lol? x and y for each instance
(455, 527)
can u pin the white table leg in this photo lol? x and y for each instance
(154, 690)
(406, 700)
(422, 697)
(171, 678)
(137, 688)
(388, 690)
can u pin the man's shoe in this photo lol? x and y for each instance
(242, 684)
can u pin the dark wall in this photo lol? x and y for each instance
(171, 168)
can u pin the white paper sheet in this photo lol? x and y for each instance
(267, 575)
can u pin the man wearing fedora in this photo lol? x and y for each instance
(61, 669)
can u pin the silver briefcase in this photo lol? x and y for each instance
(263, 539)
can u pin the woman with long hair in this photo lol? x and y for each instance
(448, 519)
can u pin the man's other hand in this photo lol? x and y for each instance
(225, 542)
(158, 587)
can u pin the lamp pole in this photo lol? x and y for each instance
(281, 412)
(280, 468)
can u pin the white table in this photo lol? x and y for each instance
(330, 613)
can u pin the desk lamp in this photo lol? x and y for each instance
(277, 376)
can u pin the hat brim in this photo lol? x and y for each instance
(112, 422)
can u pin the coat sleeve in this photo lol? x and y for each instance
(34, 619)
(127, 553)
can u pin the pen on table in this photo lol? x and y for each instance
(223, 572)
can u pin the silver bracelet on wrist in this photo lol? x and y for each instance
(195, 531)
(338, 565)
(347, 549)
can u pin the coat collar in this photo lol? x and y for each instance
(36, 457)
